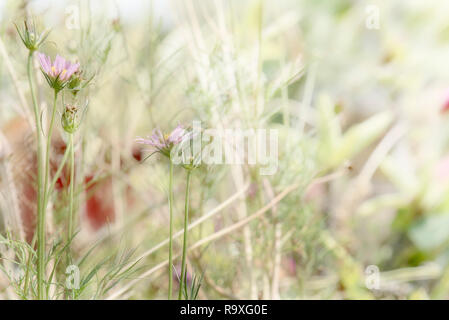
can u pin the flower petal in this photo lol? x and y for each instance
(45, 62)
(58, 65)
(71, 69)
(176, 135)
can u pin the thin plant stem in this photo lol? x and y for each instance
(203, 218)
(47, 154)
(41, 221)
(58, 172)
(27, 272)
(216, 235)
(40, 192)
(71, 188)
(184, 245)
(170, 245)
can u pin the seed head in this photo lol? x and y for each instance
(69, 119)
(30, 37)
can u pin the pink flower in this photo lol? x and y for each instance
(176, 135)
(164, 143)
(58, 72)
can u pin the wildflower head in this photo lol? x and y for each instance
(59, 72)
(191, 163)
(78, 81)
(74, 110)
(163, 143)
(69, 118)
(187, 153)
(31, 38)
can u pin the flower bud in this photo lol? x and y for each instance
(30, 37)
(69, 119)
(78, 82)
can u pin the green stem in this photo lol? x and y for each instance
(71, 192)
(170, 244)
(71, 187)
(28, 267)
(47, 154)
(40, 211)
(184, 245)
(58, 172)
(41, 221)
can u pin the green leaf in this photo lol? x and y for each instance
(360, 136)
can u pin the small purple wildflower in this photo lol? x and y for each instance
(59, 72)
(163, 143)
